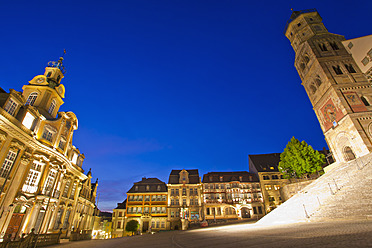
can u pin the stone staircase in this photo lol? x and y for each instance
(342, 193)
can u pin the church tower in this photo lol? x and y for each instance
(339, 92)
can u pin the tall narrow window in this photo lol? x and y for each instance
(67, 187)
(48, 188)
(31, 99)
(337, 69)
(73, 190)
(365, 101)
(8, 163)
(52, 107)
(11, 107)
(67, 216)
(49, 74)
(306, 59)
(334, 45)
(62, 143)
(350, 68)
(322, 47)
(318, 81)
(33, 178)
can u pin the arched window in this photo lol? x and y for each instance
(49, 74)
(302, 66)
(306, 59)
(312, 89)
(31, 98)
(337, 69)
(334, 45)
(365, 101)
(52, 107)
(323, 47)
(350, 68)
(348, 153)
(318, 82)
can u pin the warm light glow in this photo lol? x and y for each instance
(28, 120)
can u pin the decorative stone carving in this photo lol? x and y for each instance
(16, 145)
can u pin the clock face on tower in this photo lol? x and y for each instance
(329, 112)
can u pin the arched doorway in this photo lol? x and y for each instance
(245, 212)
(348, 153)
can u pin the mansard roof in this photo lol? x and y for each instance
(265, 162)
(122, 205)
(153, 184)
(174, 176)
(216, 177)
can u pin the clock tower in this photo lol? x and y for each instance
(339, 92)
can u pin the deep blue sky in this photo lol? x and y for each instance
(160, 85)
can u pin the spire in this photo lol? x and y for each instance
(58, 64)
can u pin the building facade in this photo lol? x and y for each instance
(119, 220)
(232, 195)
(338, 90)
(184, 197)
(265, 166)
(147, 204)
(361, 50)
(42, 182)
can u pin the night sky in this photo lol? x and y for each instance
(169, 84)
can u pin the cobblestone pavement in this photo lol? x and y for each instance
(326, 234)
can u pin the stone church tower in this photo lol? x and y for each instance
(339, 92)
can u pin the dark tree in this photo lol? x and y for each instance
(300, 159)
(132, 226)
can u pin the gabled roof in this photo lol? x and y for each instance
(174, 176)
(122, 205)
(236, 176)
(265, 162)
(152, 184)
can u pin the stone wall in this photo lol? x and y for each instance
(290, 190)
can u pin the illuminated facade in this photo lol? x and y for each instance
(338, 90)
(265, 166)
(42, 183)
(232, 195)
(184, 197)
(118, 220)
(147, 204)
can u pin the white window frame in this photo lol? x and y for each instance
(32, 98)
(52, 106)
(8, 163)
(52, 175)
(33, 177)
(11, 106)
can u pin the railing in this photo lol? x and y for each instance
(83, 235)
(32, 238)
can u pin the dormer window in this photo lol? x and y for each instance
(147, 187)
(52, 107)
(221, 178)
(31, 99)
(240, 178)
(136, 188)
(11, 107)
(158, 187)
(47, 135)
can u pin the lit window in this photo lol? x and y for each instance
(33, 178)
(31, 99)
(52, 107)
(158, 187)
(8, 163)
(74, 158)
(28, 120)
(49, 182)
(10, 107)
(147, 187)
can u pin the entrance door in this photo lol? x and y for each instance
(145, 226)
(246, 213)
(14, 224)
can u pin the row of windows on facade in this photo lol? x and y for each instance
(250, 178)
(272, 198)
(146, 210)
(147, 198)
(154, 225)
(272, 177)
(229, 211)
(48, 133)
(272, 187)
(192, 202)
(33, 177)
(32, 98)
(192, 191)
(11, 105)
(158, 188)
(232, 185)
(232, 196)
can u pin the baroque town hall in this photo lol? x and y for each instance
(42, 183)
